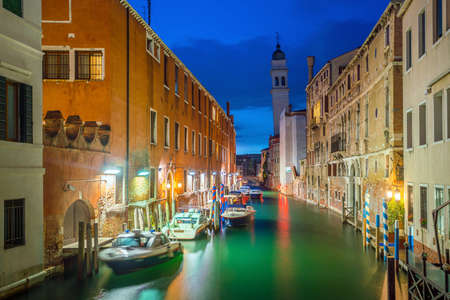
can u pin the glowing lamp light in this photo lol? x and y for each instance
(389, 194)
(179, 185)
(143, 172)
(192, 173)
(168, 185)
(397, 196)
(111, 171)
(214, 173)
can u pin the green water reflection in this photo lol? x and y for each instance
(292, 251)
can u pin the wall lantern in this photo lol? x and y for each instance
(192, 173)
(143, 172)
(389, 194)
(179, 185)
(168, 185)
(397, 196)
(111, 170)
(214, 173)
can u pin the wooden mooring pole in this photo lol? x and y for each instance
(81, 230)
(96, 247)
(391, 278)
(88, 249)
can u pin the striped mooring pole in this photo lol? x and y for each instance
(367, 219)
(385, 230)
(411, 237)
(222, 198)
(214, 189)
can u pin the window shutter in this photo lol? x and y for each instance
(2, 108)
(26, 114)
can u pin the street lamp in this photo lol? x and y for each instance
(389, 194)
(143, 172)
(397, 195)
(179, 185)
(111, 170)
(168, 185)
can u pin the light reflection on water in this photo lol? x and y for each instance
(292, 251)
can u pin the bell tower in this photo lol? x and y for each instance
(280, 89)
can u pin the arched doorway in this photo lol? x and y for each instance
(77, 212)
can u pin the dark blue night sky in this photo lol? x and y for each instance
(228, 46)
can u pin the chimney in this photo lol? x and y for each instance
(228, 109)
(310, 60)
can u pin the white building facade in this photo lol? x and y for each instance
(426, 125)
(292, 147)
(21, 168)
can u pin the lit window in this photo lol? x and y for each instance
(89, 65)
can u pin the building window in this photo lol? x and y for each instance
(150, 46)
(192, 95)
(14, 6)
(193, 142)
(177, 136)
(186, 143)
(157, 51)
(14, 224)
(199, 100)
(421, 38)
(283, 81)
(409, 133)
(205, 143)
(386, 107)
(408, 50)
(437, 22)
(176, 79)
(423, 207)
(16, 111)
(366, 120)
(166, 64)
(448, 114)
(410, 195)
(89, 65)
(56, 65)
(166, 132)
(386, 170)
(439, 198)
(438, 119)
(153, 127)
(367, 63)
(422, 124)
(186, 88)
(358, 72)
(199, 144)
(387, 36)
(349, 82)
(152, 183)
(277, 81)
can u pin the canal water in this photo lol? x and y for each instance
(292, 251)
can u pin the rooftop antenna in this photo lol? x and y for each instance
(149, 11)
(278, 39)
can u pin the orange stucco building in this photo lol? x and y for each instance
(113, 93)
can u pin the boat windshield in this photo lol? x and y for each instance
(157, 241)
(186, 220)
(127, 242)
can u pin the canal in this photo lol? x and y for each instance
(292, 251)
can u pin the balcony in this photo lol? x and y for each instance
(337, 143)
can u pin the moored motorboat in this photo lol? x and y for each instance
(238, 215)
(187, 225)
(137, 250)
(256, 193)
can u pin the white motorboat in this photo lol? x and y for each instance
(137, 250)
(187, 225)
(238, 215)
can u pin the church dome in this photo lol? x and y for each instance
(278, 54)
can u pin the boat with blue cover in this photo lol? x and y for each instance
(137, 250)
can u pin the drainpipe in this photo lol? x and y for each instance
(128, 108)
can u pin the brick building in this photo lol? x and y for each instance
(161, 138)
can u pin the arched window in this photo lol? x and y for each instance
(283, 81)
(277, 81)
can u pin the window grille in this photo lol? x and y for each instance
(14, 223)
(89, 65)
(56, 65)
